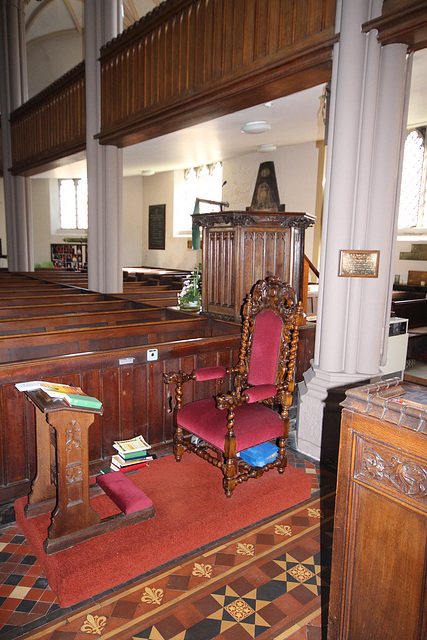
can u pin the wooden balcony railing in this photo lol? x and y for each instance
(191, 60)
(51, 125)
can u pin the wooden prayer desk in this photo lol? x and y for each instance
(62, 478)
(379, 558)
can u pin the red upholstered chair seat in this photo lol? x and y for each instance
(254, 423)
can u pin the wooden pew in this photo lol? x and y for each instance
(29, 346)
(33, 310)
(43, 299)
(10, 326)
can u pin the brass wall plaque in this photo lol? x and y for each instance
(358, 264)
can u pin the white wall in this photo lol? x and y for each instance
(401, 267)
(296, 170)
(159, 189)
(132, 231)
(41, 205)
(46, 61)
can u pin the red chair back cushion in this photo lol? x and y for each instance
(265, 348)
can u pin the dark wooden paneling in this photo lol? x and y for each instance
(192, 60)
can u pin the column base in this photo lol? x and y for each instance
(319, 412)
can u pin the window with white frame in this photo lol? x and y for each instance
(199, 182)
(413, 197)
(73, 203)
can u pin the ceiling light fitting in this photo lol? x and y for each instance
(265, 148)
(148, 172)
(256, 126)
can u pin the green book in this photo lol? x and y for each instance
(130, 455)
(78, 400)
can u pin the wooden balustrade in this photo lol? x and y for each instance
(190, 60)
(51, 125)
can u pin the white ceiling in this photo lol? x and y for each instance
(294, 119)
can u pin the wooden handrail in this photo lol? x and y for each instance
(311, 266)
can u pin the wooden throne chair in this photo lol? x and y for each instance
(255, 411)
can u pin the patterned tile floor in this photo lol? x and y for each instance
(266, 582)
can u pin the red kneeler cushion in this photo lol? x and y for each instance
(123, 492)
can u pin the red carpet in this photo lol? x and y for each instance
(191, 511)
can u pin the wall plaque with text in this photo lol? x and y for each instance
(156, 226)
(358, 264)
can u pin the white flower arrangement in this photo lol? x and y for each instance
(190, 296)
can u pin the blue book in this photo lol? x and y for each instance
(260, 455)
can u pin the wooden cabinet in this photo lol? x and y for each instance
(69, 256)
(379, 560)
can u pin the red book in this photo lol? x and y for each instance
(130, 468)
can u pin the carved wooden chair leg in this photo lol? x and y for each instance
(178, 444)
(229, 482)
(283, 461)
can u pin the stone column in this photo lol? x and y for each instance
(103, 22)
(13, 92)
(367, 112)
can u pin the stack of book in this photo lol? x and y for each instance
(132, 455)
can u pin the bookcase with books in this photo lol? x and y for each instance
(69, 256)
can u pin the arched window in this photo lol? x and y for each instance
(412, 206)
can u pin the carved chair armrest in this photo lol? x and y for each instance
(177, 377)
(260, 392)
(209, 373)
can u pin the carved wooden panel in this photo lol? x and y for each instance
(379, 559)
(240, 248)
(397, 473)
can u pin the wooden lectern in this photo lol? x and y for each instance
(62, 484)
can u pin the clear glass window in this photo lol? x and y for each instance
(199, 182)
(73, 203)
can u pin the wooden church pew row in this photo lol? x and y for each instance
(66, 296)
(148, 292)
(29, 346)
(34, 310)
(135, 399)
(11, 326)
(159, 302)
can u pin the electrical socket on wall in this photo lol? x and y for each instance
(152, 354)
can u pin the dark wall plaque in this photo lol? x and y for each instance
(156, 226)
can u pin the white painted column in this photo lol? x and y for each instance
(368, 105)
(13, 92)
(103, 21)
